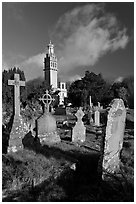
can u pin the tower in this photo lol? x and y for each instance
(50, 67)
(62, 93)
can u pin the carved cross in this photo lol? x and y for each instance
(46, 99)
(16, 83)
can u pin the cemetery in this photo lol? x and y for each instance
(84, 153)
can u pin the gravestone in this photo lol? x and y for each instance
(46, 124)
(19, 129)
(79, 130)
(90, 102)
(114, 137)
(99, 105)
(90, 116)
(97, 117)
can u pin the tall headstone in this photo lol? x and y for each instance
(114, 137)
(79, 130)
(19, 129)
(97, 117)
(99, 105)
(90, 101)
(46, 124)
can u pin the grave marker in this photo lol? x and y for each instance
(97, 117)
(19, 128)
(114, 137)
(91, 102)
(79, 130)
(16, 83)
(46, 124)
(46, 99)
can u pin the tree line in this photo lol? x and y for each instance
(79, 91)
(100, 90)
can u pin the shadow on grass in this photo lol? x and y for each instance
(88, 160)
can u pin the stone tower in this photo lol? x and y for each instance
(62, 93)
(50, 67)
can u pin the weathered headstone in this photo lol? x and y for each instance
(114, 137)
(99, 105)
(46, 124)
(97, 117)
(79, 130)
(90, 116)
(91, 102)
(18, 130)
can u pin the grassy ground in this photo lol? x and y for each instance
(67, 172)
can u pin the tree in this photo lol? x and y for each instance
(128, 83)
(125, 90)
(123, 94)
(90, 84)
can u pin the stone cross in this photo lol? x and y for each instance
(79, 114)
(19, 128)
(46, 99)
(114, 137)
(16, 83)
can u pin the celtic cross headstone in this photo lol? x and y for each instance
(46, 123)
(46, 99)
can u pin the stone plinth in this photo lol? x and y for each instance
(18, 131)
(47, 129)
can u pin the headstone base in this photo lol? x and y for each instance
(79, 132)
(18, 131)
(51, 138)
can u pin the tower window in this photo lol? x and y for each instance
(62, 86)
(51, 64)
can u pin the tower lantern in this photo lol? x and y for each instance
(50, 48)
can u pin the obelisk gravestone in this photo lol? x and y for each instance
(18, 128)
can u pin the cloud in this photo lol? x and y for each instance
(14, 10)
(5, 65)
(33, 66)
(74, 78)
(81, 37)
(119, 79)
(85, 34)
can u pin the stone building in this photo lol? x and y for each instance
(51, 73)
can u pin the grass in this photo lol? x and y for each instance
(44, 173)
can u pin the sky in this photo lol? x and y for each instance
(98, 37)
